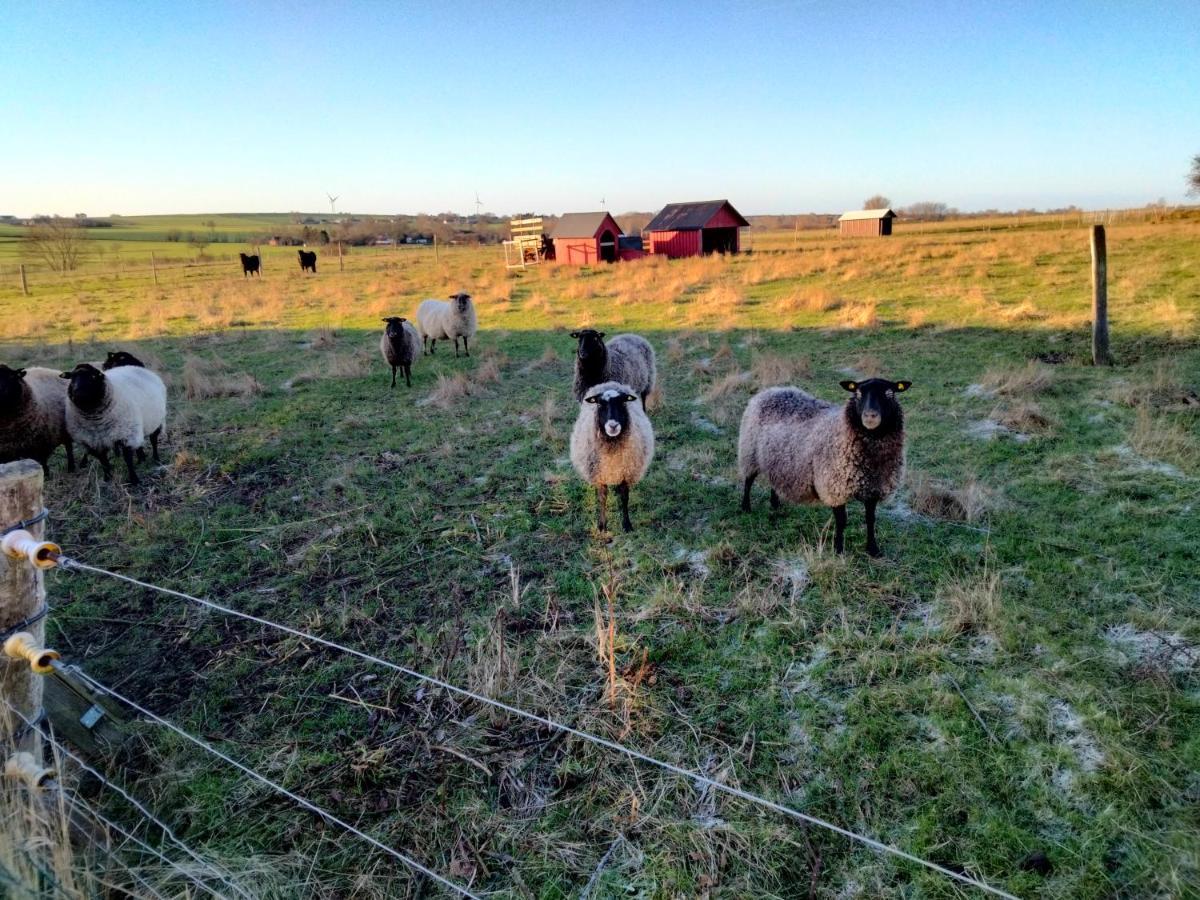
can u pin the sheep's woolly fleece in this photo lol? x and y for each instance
(404, 352)
(134, 405)
(810, 452)
(630, 361)
(440, 320)
(39, 424)
(610, 462)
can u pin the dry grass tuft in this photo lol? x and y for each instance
(972, 602)
(867, 365)
(205, 378)
(449, 390)
(809, 299)
(775, 368)
(726, 385)
(323, 339)
(862, 314)
(1026, 381)
(488, 371)
(1160, 389)
(1023, 416)
(1156, 437)
(938, 500)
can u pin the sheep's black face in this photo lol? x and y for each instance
(12, 389)
(117, 358)
(874, 407)
(462, 302)
(591, 346)
(86, 389)
(395, 327)
(612, 418)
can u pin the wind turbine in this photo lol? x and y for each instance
(478, 205)
(332, 200)
(602, 202)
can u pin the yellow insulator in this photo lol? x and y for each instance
(25, 767)
(23, 545)
(23, 645)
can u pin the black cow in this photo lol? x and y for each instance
(250, 264)
(308, 261)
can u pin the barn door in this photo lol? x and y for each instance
(608, 246)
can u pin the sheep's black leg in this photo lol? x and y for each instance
(70, 455)
(105, 465)
(408, 375)
(466, 345)
(127, 452)
(775, 504)
(839, 537)
(154, 436)
(432, 345)
(393, 376)
(746, 491)
(456, 348)
(45, 461)
(872, 547)
(602, 506)
(623, 493)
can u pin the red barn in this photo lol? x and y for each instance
(588, 237)
(692, 229)
(867, 222)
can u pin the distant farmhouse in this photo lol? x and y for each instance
(866, 223)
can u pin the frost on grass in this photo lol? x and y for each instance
(1135, 463)
(1160, 651)
(705, 424)
(990, 429)
(1069, 731)
(791, 576)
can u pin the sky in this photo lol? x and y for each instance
(144, 108)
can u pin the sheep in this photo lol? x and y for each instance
(33, 419)
(441, 320)
(627, 358)
(117, 409)
(400, 345)
(813, 451)
(250, 264)
(308, 261)
(118, 358)
(612, 443)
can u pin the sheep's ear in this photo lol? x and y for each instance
(849, 385)
(902, 386)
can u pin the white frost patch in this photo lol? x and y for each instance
(1168, 651)
(802, 671)
(923, 617)
(1067, 725)
(697, 561)
(1097, 418)
(705, 425)
(1135, 463)
(989, 429)
(899, 510)
(978, 390)
(983, 648)
(792, 574)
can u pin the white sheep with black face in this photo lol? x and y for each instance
(812, 451)
(441, 320)
(612, 444)
(116, 410)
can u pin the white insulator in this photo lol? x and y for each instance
(23, 545)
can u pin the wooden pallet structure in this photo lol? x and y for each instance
(524, 248)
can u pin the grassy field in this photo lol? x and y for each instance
(1017, 674)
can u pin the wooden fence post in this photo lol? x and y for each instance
(435, 250)
(341, 263)
(22, 594)
(1100, 353)
(154, 268)
(24, 281)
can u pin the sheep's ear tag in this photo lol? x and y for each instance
(850, 385)
(902, 386)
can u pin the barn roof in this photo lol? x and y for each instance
(691, 216)
(867, 214)
(579, 225)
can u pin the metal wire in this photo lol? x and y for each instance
(307, 804)
(74, 565)
(25, 623)
(225, 877)
(27, 523)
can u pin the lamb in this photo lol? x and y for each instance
(441, 320)
(308, 261)
(118, 358)
(33, 422)
(813, 451)
(400, 345)
(117, 409)
(627, 358)
(250, 264)
(612, 443)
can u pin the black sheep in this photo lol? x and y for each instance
(308, 261)
(250, 264)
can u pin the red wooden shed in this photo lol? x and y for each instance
(692, 229)
(588, 237)
(867, 222)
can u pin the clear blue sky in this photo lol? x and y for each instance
(780, 106)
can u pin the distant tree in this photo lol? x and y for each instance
(877, 202)
(1193, 179)
(929, 210)
(173, 235)
(199, 242)
(60, 243)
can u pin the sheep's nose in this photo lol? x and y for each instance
(870, 420)
(612, 428)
